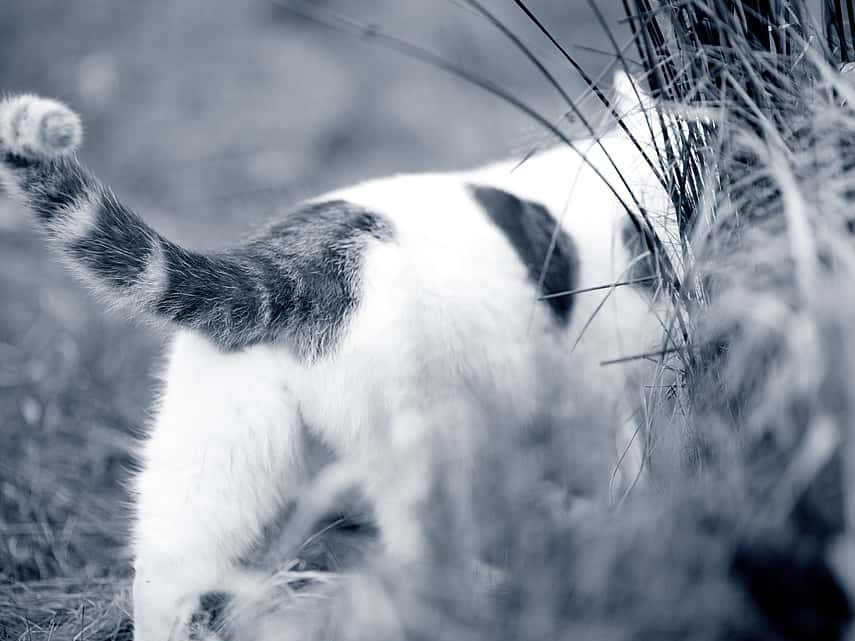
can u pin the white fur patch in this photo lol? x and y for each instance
(74, 222)
(38, 127)
(151, 282)
(10, 184)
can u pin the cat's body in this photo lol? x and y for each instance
(379, 318)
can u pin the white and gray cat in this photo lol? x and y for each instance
(380, 317)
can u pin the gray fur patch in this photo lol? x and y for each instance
(51, 187)
(117, 248)
(298, 279)
(546, 250)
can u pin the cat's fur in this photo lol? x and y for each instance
(377, 317)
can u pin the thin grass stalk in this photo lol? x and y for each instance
(666, 83)
(589, 82)
(850, 14)
(490, 17)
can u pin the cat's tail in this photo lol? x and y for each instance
(109, 246)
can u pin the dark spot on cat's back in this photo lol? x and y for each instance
(547, 251)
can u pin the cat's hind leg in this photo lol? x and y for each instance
(223, 459)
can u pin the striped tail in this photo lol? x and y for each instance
(299, 279)
(113, 249)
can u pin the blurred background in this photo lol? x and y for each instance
(208, 116)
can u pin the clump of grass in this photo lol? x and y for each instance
(768, 235)
(66, 609)
(67, 404)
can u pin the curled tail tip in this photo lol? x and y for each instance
(38, 128)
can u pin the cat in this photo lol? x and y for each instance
(374, 318)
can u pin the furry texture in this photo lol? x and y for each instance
(296, 279)
(38, 127)
(358, 319)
